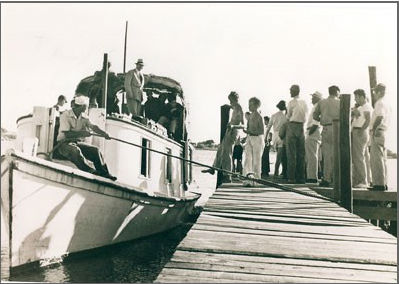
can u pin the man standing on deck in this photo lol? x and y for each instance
(325, 112)
(312, 142)
(360, 136)
(296, 113)
(378, 152)
(134, 84)
(74, 126)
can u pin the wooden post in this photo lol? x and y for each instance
(336, 164)
(345, 158)
(224, 120)
(105, 82)
(373, 83)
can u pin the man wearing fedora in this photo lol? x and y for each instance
(276, 121)
(134, 83)
(312, 142)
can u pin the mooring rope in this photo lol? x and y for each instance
(240, 176)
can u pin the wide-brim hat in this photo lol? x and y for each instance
(281, 105)
(140, 62)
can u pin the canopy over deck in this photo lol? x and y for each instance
(157, 84)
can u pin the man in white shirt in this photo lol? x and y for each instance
(361, 121)
(360, 124)
(297, 113)
(379, 124)
(312, 142)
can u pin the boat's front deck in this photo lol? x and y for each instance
(269, 235)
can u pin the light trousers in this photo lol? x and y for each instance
(378, 159)
(312, 146)
(359, 168)
(224, 154)
(253, 155)
(134, 107)
(327, 152)
(368, 166)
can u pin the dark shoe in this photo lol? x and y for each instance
(311, 181)
(291, 181)
(209, 171)
(114, 178)
(300, 182)
(324, 183)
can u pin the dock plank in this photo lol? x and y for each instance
(269, 235)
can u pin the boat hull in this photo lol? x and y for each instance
(49, 211)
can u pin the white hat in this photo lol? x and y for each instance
(81, 100)
(317, 95)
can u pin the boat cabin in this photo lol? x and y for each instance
(138, 167)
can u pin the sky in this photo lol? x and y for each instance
(211, 49)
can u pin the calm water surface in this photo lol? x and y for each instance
(139, 260)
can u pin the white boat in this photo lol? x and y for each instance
(50, 209)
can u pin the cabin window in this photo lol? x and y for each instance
(168, 166)
(145, 157)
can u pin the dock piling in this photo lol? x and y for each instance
(336, 170)
(345, 159)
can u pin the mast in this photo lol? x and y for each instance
(124, 106)
(124, 52)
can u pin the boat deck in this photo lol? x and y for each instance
(266, 234)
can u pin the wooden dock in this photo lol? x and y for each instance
(266, 234)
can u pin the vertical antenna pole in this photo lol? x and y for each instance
(124, 51)
(124, 106)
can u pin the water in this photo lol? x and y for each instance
(139, 260)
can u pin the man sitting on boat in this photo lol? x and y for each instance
(74, 126)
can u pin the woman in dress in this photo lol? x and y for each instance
(224, 153)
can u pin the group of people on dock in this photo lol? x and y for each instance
(303, 139)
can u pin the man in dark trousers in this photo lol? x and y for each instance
(266, 151)
(297, 111)
(74, 126)
(237, 157)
